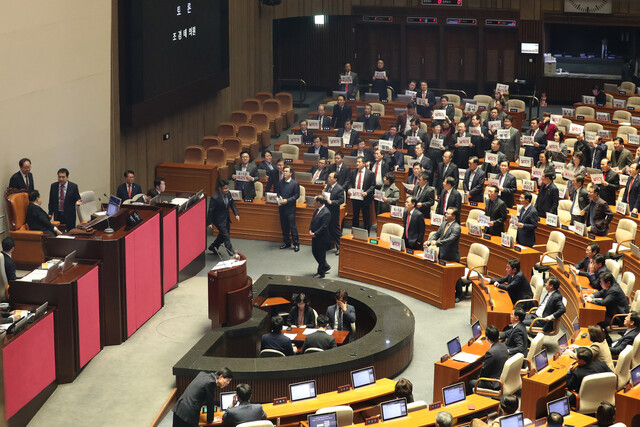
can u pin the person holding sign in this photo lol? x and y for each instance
(620, 157)
(428, 100)
(447, 169)
(379, 168)
(601, 97)
(436, 143)
(325, 121)
(610, 184)
(449, 109)
(479, 135)
(318, 148)
(493, 166)
(449, 197)
(598, 152)
(415, 136)
(539, 140)
(574, 168)
(307, 135)
(341, 112)
(473, 182)
(380, 80)
(403, 121)
(548, 196)
(218, 215)
(496, 210)
(395, 159)
(527, 221)
(631, 191)
(598, 213)
(334, 200)
(393, 136)
(362, 151)
(493, 123)
(245, 176)
(447, 238)
(547, 126)
(320, 235)
(507, 184)
(579, 199)
(544, 163)
(389, 194)
(362, 180)
(320, 171)
(413, 222)
(424, 161)
(462, 146)
(511, 145)
(349, 81)
(349, 135)
(561, 155)
(369, 121)
(288, 194)
(424, 196)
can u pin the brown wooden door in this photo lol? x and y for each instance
(500, 53)
(375, 41)
(422, 53)
(461, 57)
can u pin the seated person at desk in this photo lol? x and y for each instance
(404, 388)
(200, 391)
(307, 135)
(318, 148)
(341, 315)
(341, 113)
(555, 420)
(320, 338)
(444, 419)
(515, 336)
(583, 268)
(497, 212)
(527, 221)
(447, 238)
(599, 348)
(413, 222)
(596, 269)
(632, 323)
(605, 414)
(320, 171)
(159, 186)
(37, 219)
(369, 121)
(551, 307)
(584, 366)
(514, 282)
(612, 297)
(248, 186)
(325, 121)
(301, 314)
(492, 361)
(8, 245)
(597, 214)
(128, 189)
(508, 406)
(362, 151)
(349, 135)
(241, 411)
(393, 136)
(275, 340)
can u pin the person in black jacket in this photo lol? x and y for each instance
(301, 314)
(200, 391)
(341, 112)
(362, 179)
(23, 179)
(342, 171)
(584, 366)
(335, 200)
(307, 134)
(551, 307)
(612, 297)
(413, 222)
(128, 189)
(320, 338)
(582, 268)
(320, 233)
(218, 215)
(64, 209)
(496, 210)
(527, 221)
(548, 196)
(514, 282)
(241, 411)
(610, 184)
(369, 121)
(274, 178)
(9, 266)
(632, 323)
(276, 340)
(507, 183)
(37, 219)
(473, 183)
(493, 360)
(515, 336)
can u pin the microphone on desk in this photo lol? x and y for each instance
(107, 230)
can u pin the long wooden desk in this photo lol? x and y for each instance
(632, 264)
(628, 407)
(188, 178)
(451, 371)
(260, 220)
(488, 314)
(544, 387)
(399, 271)
(499, 254)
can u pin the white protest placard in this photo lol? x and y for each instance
(605, 134)
(294, 139)
(493, 181)
(597, 178)
(412, 140)
(413, 93)
(464, 141)
(537, 173)
(411, 162)
(553, 146)
(358, 126)
(396, 243)
(513, 220)
(356, 194)
(436, 143)
(588, 99)
(506, 240)
(461, 173)
(622, 208)
(503, 134)
(518, 209)
(579, 228)
(313, 124)
(552, 220)
(634, 139)
(421, 101)
(430, 254)
(439, 114)
(326, 195)
(378, 195)
(562, 191)
(242, 176)
(271, 197)
(618, 103)
(492, 158)
(560, 166)
(528, 185)
(396, 212)
(384, 145)
(409, 187)
(484, 220)
(380, 75)
(494, 125)
(475, 131)
(334, 141)
(502, 88)
(623, 179)
(569, 112)
(344, 80)
(475, 229)
(526, 140)
(635, 120)
(590, 136)
(602, 116)
(437, 219)
(576, 129)
(470, 108)
(236, 194)
(525, 162)
(556, 118)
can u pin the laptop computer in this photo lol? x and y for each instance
(515, 420)
(635, 250)
(561, 406)
(476, 330)
(360, 234)
(323, 420)
(69, 261)
(226, 399)
(405, 99)
(541, 360)
(310, 200)
(363, 377)
(350, 160)
(310, 157)
(114, 205)
(393, 409)
(372, 96)
(40, 311)
(302, 391)
(453, 394)
(635, 376)
(563, 343)
(455, 351)
(560, 264)
(303, 177)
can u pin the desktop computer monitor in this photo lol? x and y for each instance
(563, 343)
(561, 406)
(363, 377)
(226, 400)
(541, 360)
(393, 409)
(515, 420)
(453, 394)
(476, 330)
(302, 391)
(635, 376)
(114, 205)
(69, 261)
(454, 346)
(323, 420)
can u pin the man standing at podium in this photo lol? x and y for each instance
(320, 237)
(218, 215)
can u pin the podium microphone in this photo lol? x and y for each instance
(107, 230)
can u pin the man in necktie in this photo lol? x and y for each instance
(320, 235)
(218, 216)
(23, 179)
(379, 168)
(64, 196)
(599, 213)
(632, 189)
(362, 179)
(551, 307)
(128, 189)
(336, 198)
(527, 221)
(341, 315)
(369, 121)
(580, 199)
(496, 210)
(307, 135)
(413, 225)
(320, 171)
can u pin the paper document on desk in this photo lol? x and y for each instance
(179, 201)
(62, 236)
(228, 264)
(290, 336)
(466, 357)
(38, 274)
(309, 331)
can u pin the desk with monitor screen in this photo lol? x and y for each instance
(490, 305)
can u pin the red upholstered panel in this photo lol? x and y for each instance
(170, 246)
(29, 365)
(88, 316)
(143, 275)
(192, 240)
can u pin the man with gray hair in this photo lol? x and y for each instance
(444, 419)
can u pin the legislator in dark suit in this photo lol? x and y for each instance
(625, 339)
(425, 197)
(447, 238)
(354, 136)
(369, 122)
(443, 172)
(551, 305)
(343, 171)
(38, 220)
(461, 154)
(453, 200)
(598, 216)
(322, 175)
(516, 285)
(492, 363)
(307, 135)
(511, 146)
(509, 185)
(598, 152)
(218, 215)
(416, 132)
(379, 168)
(341, 320)
(413, 229)
(621, 158)
(366, 153)
(9, 267)
(322, 151)
(474, 186)
(426, 164)
(326, 122)
(435, 154)
(319, 339)
(631, 192)
(614, 300)
(321, 238)
(340, 114)
(308, 317)
(575, 377)
(398, 142)
(247, 188)
(65, 213)
(336, 195)
(540, 137)
(362, 180)
(401, 122)
(430, 99)
(515, 338)
(548, 199)
(496, 210)
(123, 191)
(243, 412)
(17, 180)
(200, 391)
(279, 341)
(488, 167)
(289, 191)
(351, 88)
(273, 181)
(608, 192)
(526, 235)
(579, 202)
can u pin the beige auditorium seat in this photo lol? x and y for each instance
(628, 87)
(596, 388)
(520, 175)
(210, 141)
(88, 207)
(625, 131)
(593, 127)
(621, 116)
(344, 412)
(614, 268)
(259, 189)
(313, 350)
(390, 229)
(194, 155)
(535, 348)
(473, 216)
(261, 121)
(226, 130)
(378, 108)
(554, 247)
(586, 112)
(263, 96)
(252, 105)
(516, 104)
(564, 210)
(453, 98)
(635, 361)
(286, 103)
(416, 406)
(276, 122)
(627, 283)
(477, 262)
(510, 379)
(482, 101)
(457, 114)
(609, 100)
(269, 352)
(240, 117)
(623, 367)
(566, 123)
(289, 151)
(570, 143)
(625, 234)
(633, 101)
(537, 286)
(303, 195)
(261, 423)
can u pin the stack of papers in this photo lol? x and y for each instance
(38, 274)
(228, 264)
(290, 336)
(466, 357)
(179, 200)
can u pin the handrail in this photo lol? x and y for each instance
(302, 88)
